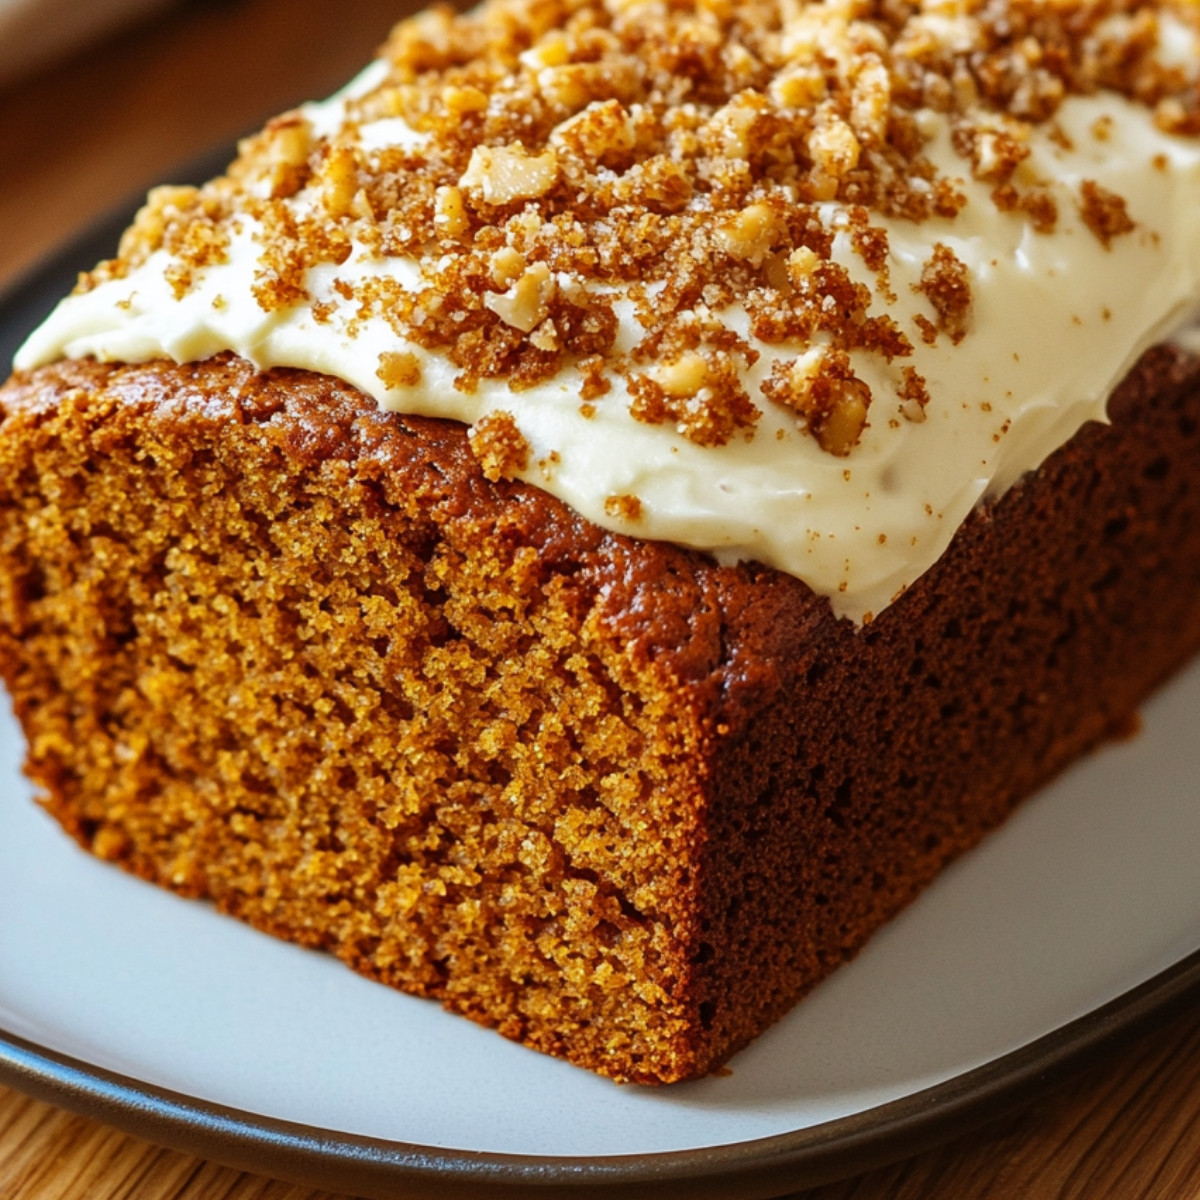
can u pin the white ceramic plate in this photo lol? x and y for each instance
(1090, 890)
(162, 1016)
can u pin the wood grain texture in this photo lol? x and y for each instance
(1127, 1129)
(86, 136)
(46, 1153)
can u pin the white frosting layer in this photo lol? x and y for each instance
(1056, 322)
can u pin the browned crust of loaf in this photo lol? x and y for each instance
(1052, 616)
(813, 778)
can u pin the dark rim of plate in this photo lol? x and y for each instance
(382, 1169)
(750, 1170)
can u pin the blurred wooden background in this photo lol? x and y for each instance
(81, 137)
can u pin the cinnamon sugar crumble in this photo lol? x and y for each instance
(595, 382)
(700, 394)
(499, 446)
(914, 392)
(1037, 203)
(944, 282)
(1103, 212)
(623, 507)
(563, 157)
(926, 328)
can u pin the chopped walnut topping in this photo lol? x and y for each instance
(464, 99)
(525, 305)
(450, 218)
(683, 377)
(829, 398)
(499, 446)
(281, 152)
(1103, 212)
(338, 178)
(506, 266)
(835, 151)
(569, 156)
(507, 173)
(750, 233)
(603, 133)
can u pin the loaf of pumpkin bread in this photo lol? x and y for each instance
(585, 523)
(274, 647)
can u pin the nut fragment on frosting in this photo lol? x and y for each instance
(526, 304)
(506, 173)
(805, 280)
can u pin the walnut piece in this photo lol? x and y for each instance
(503, 174)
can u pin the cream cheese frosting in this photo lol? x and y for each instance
(1056, 319)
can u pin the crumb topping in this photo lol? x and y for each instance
(828, 398)
(1103, 212)
(623, 507)
(399, 369)
(914, 392)
(499, 445)
(543, 162)
(945, 283)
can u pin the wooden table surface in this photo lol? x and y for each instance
(81, 138)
